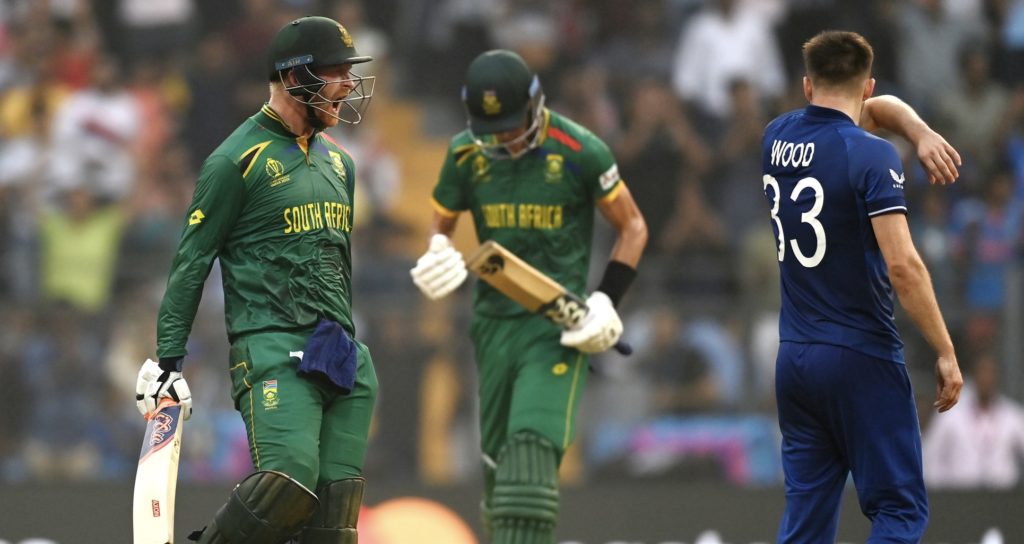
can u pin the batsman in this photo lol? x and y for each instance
(531, 179)
(274, 204)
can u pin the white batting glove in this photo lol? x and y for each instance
(599, 330)
(440, 270)
(155, 383)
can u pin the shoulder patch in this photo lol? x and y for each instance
(897, 179)
(249, 157)
(609, 177)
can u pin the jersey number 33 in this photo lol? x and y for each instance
(810, 217)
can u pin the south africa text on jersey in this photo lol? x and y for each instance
(524, 216)
(317, 215)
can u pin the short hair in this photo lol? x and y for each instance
(836, 58)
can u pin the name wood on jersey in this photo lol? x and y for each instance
(797, 155)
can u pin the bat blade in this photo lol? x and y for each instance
(514, 277)
(157, 476)
(529, 287)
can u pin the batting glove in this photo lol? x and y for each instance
(599, 330)
(162, 380)
(440, 270)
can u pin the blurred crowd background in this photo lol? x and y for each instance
(108, 108)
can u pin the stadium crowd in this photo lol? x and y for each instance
(108, 107)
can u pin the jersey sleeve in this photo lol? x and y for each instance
(879, 177)
(600, 172)
(216, 203)
(450, 194)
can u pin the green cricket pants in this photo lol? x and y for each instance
(295, 425)
(528, 380)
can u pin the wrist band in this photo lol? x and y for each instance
(617, 278)
(171, 364)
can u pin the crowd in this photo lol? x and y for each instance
(108, 107)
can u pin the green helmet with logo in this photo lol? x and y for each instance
(313, 41)
(308, 44)
(502, 94)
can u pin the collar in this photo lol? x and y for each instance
(827, 113)
(270, 120)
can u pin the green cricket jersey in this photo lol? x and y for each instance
(277, 211)
(539, 206)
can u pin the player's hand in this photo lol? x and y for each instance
(156, 382)
(440, 270)
(938, 158)
(599, 330)
(948, 382)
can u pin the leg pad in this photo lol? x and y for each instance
(266, 508)
(524, 505)
(335, 521)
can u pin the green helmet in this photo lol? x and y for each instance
(308, 44)
(312, 41)
(502, 94)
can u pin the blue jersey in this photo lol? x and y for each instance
(824, 178)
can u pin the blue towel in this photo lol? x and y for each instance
(330, 354)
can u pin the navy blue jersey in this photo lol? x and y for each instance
(824, 178)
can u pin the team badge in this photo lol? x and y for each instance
(491, 104)
(553, 172)
(338, 165)
(196, 217)
(270, 396)
(559, 369)
(346, 38)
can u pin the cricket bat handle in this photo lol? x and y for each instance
(568, 309)
(624, 348)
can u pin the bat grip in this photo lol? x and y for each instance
(624, 348)
(164, 403)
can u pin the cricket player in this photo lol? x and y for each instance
(835, 196)
(531, 179)
(274, 204)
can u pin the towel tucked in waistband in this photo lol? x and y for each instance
(330, 354)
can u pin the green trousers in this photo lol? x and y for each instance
(301, 427)
(528, 381)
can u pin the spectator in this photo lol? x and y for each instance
(738, 160)
(726, 41)
(662, 156)
(214, 110)
(974, 115)
(79, 243)
(986, 241)
(931, 227)
(96, 129)
(585, 95)
(981, 443)
(635, 43)
(154, 30)
(929, 40)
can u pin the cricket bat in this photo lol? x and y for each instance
(530, 288)
(157, 476)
